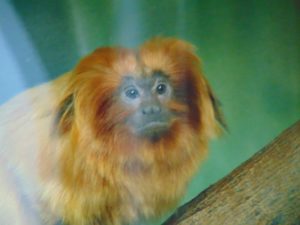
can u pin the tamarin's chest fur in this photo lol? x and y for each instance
(99, 189)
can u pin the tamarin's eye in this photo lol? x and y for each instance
(161, 89)
(132, 93)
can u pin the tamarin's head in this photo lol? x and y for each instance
(148, 94)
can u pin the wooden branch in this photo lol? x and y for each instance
(263, 190)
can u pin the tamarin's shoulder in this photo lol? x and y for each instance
(35, 102)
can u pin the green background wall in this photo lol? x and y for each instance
(250, 52)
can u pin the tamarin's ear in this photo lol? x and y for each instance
(65, 114)
(217, 109)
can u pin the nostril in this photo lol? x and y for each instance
(155, 109)
(146, 110)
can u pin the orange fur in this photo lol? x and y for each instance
(91, 167)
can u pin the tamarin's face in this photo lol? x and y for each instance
(147, 97)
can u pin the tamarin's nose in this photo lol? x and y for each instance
(151, 109)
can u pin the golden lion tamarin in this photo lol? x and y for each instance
(113, 142)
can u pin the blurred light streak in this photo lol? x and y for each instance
(20, 64)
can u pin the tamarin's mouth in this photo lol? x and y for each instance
(153, 129)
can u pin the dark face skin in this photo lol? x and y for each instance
(147, 97)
